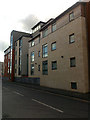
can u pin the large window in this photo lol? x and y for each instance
(32, 56)
(32, 69)
(45, 50)
(71, 38)
(72, 62)
(45, 67)
(53, 27)
(71, 16)
(54, 65)
(45, 32)
(53, 46)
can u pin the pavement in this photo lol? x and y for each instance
(76, 95)
(19, 101)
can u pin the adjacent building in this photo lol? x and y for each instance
(7, 62)
(15, 36)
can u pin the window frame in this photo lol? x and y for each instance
(71, 18)
(71, 65)
(32, 58)
(70, 41)
(38, 53)
(51, 46)
(44, 54)
(44, 68)
(54, 68)
(74, 85)
(32, 70)
(32, 43)
(45, 33)
(53, 28)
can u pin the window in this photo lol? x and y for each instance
(53, 27)
(32, 69)
(20, 42)
(45, 67)
(32, 43)
(71, 16)
(38, 67)
(53, 46)
(45, 50)
(72, 62)
(71, 38)
(45, 32)
(54, 65)
(32, 56)
(73, 85)
(38, 53)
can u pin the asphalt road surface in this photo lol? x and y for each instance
(23, 102)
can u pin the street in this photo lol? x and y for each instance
(23, 102)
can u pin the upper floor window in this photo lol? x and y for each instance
(53, 27)
(71, 38)
(45, 32)
(20, 42)
(45, 50)
(38, 53)
(45, 67)
(53, 46)
(32, 56)
(71, 16)
(54, 65)
(32, 43)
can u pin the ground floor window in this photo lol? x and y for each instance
(32, 69)
(45, 67)
(54, 65)
(72, 62)
(73, 85)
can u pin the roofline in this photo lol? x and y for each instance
(29, 35)
(62, 14)
(19, 31)
(37, 24)
(7, 48)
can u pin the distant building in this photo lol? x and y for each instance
(7, 62)
(15, 35)
(1, 69)
(21, 57)
(60, 53)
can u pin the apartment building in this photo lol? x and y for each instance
(59, 54)
(15, 39)
(21, 57)
(7, 62)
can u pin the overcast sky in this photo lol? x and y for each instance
(21, 15)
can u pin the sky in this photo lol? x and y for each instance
(22, 15)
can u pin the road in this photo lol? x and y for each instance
(23, 102)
